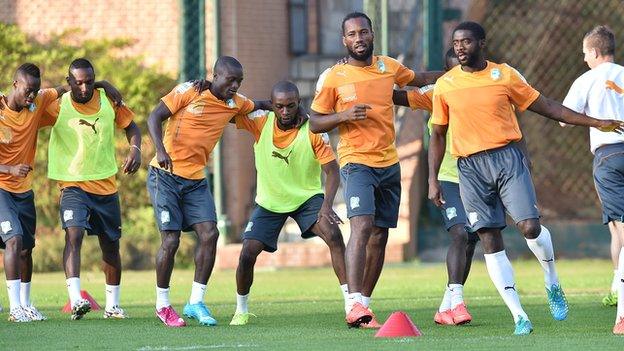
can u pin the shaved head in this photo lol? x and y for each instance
(27, 69)
(226, 64)
(227, 77)
(285, 86)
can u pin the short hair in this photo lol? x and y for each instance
(602, 39)
(81, 63)
(28, 69)
(475, 28)
(285, 86)
(227, 62)
(353, 15)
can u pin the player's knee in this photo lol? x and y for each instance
(530, 228)
(378, 239)
(335, 238)
(170, 242)
(209, 237)
(247, 258)
(14, 244)
(459, 237)
(26, 253)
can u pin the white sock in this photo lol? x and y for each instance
(366, 300)
(198, 291)
(112, 296)
(345, 291)
(457, 294)
(502, 276)
(73, 288)
(352, 299)
(446, 301)
(13, 289)
(615, 281)
(25, 294)
(162, 298)
(542, 248)
(241, 303)
(620, 305)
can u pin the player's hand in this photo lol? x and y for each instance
(201, 84)
(356, 113)
(435, 193)
(343, 61)
(164, 161)
(611, 125)
(20, 170)
(302, 116)
(132, 162)
(327, 212)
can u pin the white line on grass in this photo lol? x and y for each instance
(194, 347)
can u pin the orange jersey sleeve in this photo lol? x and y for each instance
(123, 115)
(521, 93)
(180, 97)
(322, 150)
(325, 94)
(421, 99)
(402, 75)
(440, 109)
(252, 122)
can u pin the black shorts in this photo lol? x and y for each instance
(98, 214)
(18, 217)
(373, 191)
(609, 181)
(265, 226)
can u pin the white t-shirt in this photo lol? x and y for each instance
(599, 93)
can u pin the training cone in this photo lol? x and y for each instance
(85, 295)
(398, 325)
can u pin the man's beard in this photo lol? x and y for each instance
(363, 57)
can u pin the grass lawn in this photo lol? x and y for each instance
(303, 310)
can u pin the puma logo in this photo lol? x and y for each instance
(549, 260)
(278, 155)
(611, 85)
(82, 122)
(513, 287)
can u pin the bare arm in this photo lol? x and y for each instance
(154, 125)
(332, 182)
(425, 78)
(133, 160)
(437, 147)
(552, 109)
(399, 98)
(322, 123)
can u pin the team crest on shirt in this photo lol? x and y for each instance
(195, 108)
(381, 66)
(495, 74)
(6, 135)
(231, 103)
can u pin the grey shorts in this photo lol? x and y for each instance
(265, 226)
(609, 181)
(178, 202)
(18, 217)
(453, 212)
(372, 191)
(98, 214)
(494, 181)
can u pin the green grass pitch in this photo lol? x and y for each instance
(301, 309)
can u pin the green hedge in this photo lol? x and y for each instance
(141, 87)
